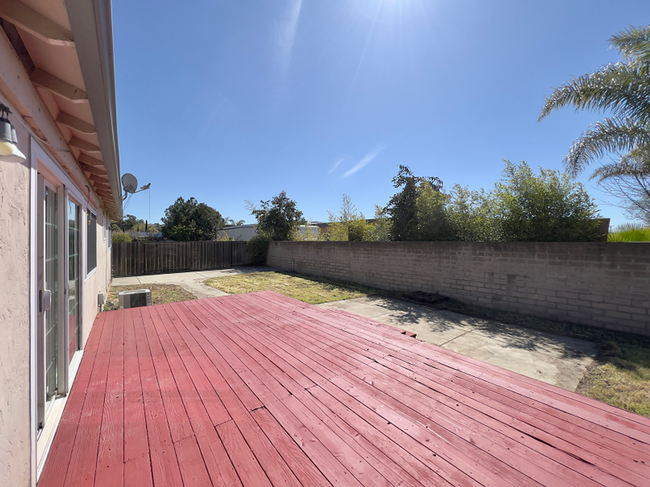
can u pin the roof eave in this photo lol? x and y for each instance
(91, 24)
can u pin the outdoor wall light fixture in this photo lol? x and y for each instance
(8, 150)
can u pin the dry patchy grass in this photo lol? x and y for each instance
(620, 377)
(160, 294)
(307, 289)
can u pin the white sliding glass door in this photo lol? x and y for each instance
(59, 292)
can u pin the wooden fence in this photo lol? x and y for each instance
(142, 258)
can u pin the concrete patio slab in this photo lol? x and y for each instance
(553, 359)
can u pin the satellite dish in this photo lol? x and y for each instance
(130, 183)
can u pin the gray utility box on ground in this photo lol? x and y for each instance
(135, 299)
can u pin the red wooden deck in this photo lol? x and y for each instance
(261, 390)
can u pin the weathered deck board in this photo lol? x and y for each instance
(260, 389)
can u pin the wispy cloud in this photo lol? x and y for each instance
(287, 34)
(365, 161)
(336, 164)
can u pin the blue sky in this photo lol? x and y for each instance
(228, 101)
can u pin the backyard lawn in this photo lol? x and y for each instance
(160, 294)
(307, 289)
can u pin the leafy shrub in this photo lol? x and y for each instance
(630, 233)
(258, 249)
(472, 215)
(381, 227)
(350, 224)
(223, 237)
(119, 237)
(432, 218)
(545, 208)
(525, 207)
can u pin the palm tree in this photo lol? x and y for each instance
(621, 88)
(629, 179)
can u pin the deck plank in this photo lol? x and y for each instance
(56, 467)
(110, 458)
(301, 465)
(135, 425)
(248, 468)
(260, 390)
(164, 464)
(193, 469)
(177, 418)
(83, 461)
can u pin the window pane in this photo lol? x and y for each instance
(91, 255)
(74, 281)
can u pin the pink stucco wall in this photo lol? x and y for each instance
(15, 442)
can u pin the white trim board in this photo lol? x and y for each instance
(46, 436)
(33, 312)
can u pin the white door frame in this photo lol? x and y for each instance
(43, 168)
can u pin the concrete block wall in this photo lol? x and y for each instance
(606, 285)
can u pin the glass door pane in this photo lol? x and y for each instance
(74, 284)
(51, 284)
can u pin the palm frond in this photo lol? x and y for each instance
(620, 88)
(635, 163)
(608, 135)
(633, 43)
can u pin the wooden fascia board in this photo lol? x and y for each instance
(83, 144)
(58, 86)
(36, 24)
(76, 123)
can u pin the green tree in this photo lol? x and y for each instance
(402, 207)
(349, 224)
(119, 237)
(629, 180)
(128, 223)
(433, 221)
(277, 218)
(545, 208)
(623, 90)
(472, 214)
(230, 221)
(407, 221)
(381, 227)
(190, 220)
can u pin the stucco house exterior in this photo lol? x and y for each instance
(57, 79)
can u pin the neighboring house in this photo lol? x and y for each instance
(56, 77)
(239, 232)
